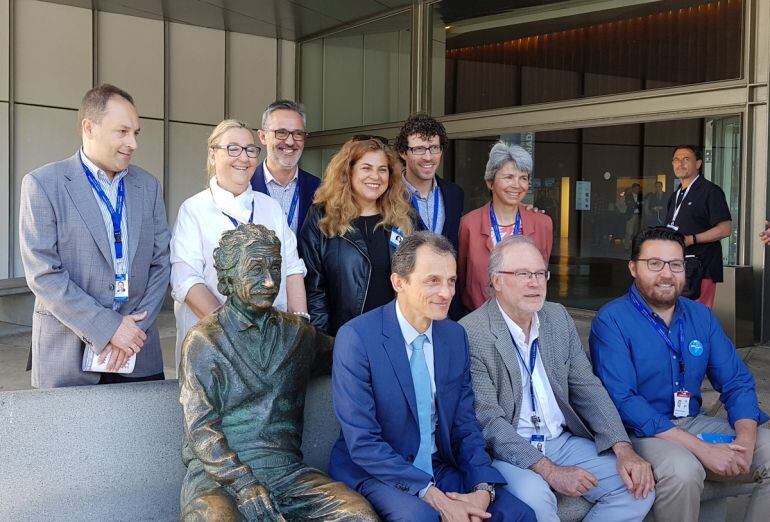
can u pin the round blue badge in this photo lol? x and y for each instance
(696, 348)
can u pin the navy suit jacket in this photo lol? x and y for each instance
(375, 403)
(307, 187)
(453, 210)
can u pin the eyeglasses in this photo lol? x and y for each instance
(526, 275)
(420, 150)
(365, 137)
(252, 151)
(282, 134)
(656, 265)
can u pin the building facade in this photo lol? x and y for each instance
(599, 91)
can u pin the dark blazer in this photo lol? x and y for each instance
(453, 210)
(375, 403)
(338, 273)
(307, 187)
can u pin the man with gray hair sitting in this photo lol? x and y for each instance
(546, 418)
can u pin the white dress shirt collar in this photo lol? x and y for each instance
(517, 332)
(409, 332)
(99, 173)
(239, 207)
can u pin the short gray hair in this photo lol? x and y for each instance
(405, 256)
(283, 105)
(503, 153)
(497, 255)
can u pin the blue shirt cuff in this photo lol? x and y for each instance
(424, 490)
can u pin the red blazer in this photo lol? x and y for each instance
(476, 243)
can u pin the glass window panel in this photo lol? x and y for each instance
(359, 76)
(554, 51)
(591, 250)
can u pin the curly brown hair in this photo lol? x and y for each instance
(423, 125)
(336, 194)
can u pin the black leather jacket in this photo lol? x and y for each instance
(338, 273)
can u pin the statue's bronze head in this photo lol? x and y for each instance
(248, 264)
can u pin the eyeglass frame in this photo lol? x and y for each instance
(546, 275)
(648, 259)
(242, 149)
(427, 149)
(304, 134)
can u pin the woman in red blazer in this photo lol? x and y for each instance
(507, 176)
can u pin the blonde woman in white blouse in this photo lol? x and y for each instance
(227, 202)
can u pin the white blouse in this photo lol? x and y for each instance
(199, 226)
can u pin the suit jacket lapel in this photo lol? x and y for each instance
(84, 200)
(134, 210)
(486, 231)
(441, 371)
(504, 346)
(396, 350)
(258, 180)
(548, 345)
(304, 200)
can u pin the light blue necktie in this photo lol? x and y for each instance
(424, 395)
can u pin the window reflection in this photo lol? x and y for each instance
(549, 53)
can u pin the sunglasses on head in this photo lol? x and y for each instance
(365, 137)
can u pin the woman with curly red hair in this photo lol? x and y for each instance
(359, 215)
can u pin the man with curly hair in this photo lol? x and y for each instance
(438, 202)
(243, 377)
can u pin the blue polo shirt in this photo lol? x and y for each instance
(641, 372)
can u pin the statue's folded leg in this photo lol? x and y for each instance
(310, 494)
(203, 499)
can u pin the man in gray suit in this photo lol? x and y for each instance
(546, 417)
(95, 247)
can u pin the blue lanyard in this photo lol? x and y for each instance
(116, 214)
(292, 208)
(530, 372)
(677, 351)
(235, 222)
(496, 228)
(436, 195)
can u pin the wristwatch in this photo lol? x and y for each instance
(489, 488)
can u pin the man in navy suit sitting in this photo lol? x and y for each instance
(401, 382)
(279, 176)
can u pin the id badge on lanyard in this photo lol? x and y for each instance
(538, 442)
(677, 208)
(682, 403)
(120, 285)
(121, 281)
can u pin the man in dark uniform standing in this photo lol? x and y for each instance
(699, 211)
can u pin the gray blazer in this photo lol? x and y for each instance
(497, 385)
(67, 258)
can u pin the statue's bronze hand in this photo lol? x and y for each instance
(256, 503)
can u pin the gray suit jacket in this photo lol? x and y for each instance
(68, 264)
(497, 385)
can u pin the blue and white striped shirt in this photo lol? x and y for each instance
(283, 195)
(110, 188)
(425, 205)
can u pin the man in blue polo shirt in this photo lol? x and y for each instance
(652, 348)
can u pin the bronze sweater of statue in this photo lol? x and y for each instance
(243, 376)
